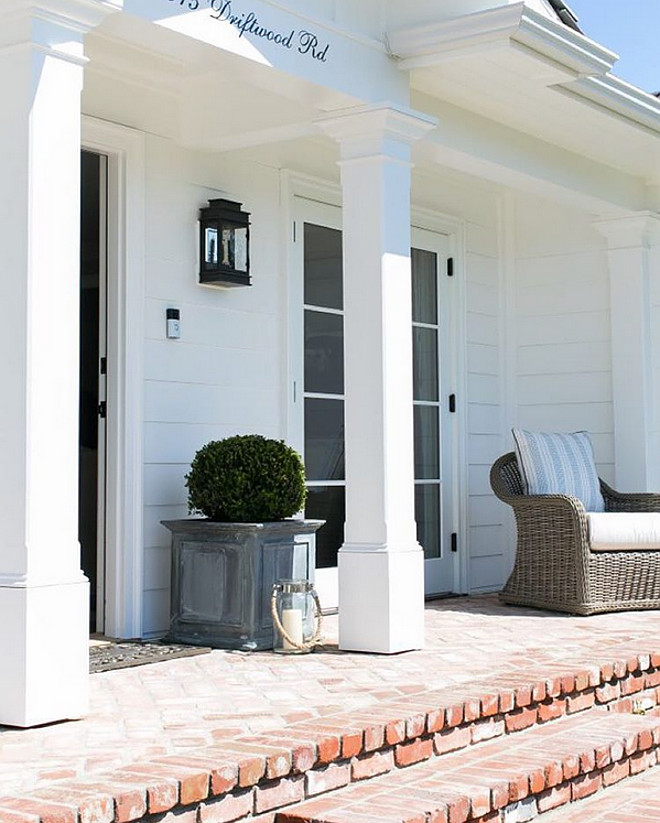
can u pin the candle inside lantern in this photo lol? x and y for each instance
(292, 623)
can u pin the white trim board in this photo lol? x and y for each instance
(125, 150)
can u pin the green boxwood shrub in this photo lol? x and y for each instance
(246, 479)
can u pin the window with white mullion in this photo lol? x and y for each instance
(323, 309)
(321, 396)
(427, 401)
(323, 389)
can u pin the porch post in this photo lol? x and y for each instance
(43, 593)
(633, 249)
(381, 571)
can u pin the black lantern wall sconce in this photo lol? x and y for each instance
(224, 244)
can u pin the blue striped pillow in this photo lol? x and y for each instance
(555, 463)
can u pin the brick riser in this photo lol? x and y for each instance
(505, 782)
(256, 775)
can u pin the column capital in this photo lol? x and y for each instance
(378, 129)
(52, 25)
(634, 231)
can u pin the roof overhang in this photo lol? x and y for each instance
(534, 75)
(515, 26)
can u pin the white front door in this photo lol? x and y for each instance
(434, 404)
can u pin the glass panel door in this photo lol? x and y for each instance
(322, 373)
(432, 429)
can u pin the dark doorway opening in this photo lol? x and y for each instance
(91, 449)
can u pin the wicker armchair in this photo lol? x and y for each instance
(555, 568)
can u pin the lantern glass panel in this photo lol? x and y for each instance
(211, 245)
(241, 249)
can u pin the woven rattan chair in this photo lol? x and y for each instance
(555, 568)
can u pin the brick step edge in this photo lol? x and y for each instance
(260, 773)
(633, 799)
(508, 782)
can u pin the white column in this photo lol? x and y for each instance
(634, 280)
(43, 593)
(381, 564)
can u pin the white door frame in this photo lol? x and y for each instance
(316, 190)
(123, 573)
(455, 231)
(437, 581)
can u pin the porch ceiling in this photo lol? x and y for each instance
(217, 100)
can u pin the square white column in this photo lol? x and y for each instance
(43, 594)
(381, 564)
(633, 250)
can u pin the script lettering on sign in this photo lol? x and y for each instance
(247, 23)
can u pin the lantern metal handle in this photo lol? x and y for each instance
(315, 639)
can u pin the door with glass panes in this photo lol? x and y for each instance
(433, 409)
(317, 407)
(317, 366)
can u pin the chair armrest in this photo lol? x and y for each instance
(629, 502)
(554, 524)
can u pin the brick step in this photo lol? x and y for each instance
(252, 775)
(635, 800)
(509, 780)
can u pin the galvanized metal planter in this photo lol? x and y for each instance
(223, 575)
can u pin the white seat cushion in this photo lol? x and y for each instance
(624, 531)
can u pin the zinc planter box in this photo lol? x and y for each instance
(223, 575)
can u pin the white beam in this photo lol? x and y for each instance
(481, 147)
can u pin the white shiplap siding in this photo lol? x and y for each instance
(224, 375)
(563, 333)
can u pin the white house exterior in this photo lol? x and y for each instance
(489, 133)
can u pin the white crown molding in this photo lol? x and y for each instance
(41, 22)
(634, 231)
(514, 24)
(80, 15)
(382, 120)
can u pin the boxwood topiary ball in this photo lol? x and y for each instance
(246, 479)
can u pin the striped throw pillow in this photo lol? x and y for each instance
(556, 463)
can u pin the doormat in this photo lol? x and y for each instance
(106, 657)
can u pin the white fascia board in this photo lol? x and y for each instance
(503, 26)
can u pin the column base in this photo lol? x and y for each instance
(381, 601)
(44, 649)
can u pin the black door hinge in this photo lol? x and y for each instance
(452, 403)
(454, 542)
(103, 409)
(104, 365)
(450, 267)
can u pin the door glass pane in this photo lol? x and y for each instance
(327, 503)
(425, 364)
(427, 515)
(427, 457)
(324, 353)
(323, 267)
(324, 439)
(424, 287)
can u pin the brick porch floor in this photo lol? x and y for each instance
(474, 645)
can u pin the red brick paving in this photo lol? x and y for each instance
(484, 658)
